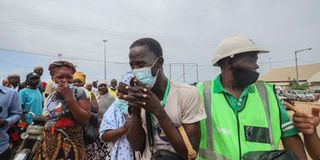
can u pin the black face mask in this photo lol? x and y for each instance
(244, 78)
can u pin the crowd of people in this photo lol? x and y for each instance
(148, 116)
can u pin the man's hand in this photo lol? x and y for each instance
(140, 96)
(304, 122)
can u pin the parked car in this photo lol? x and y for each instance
(316, 94)
(300, 95)
(281, 95)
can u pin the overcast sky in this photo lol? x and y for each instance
(34, 32)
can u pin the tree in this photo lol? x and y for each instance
(294, 85)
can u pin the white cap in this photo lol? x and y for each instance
(234, 45)
(102, 82)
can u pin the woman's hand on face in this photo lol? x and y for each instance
(65, 91)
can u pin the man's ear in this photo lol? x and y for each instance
(160, 61)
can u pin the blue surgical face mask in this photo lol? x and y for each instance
(144, 75)
(122, 105)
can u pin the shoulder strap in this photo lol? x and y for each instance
(150, 133)
(265, 101)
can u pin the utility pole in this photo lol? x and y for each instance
(197, 72)
(269, 64)
(184, 73)
(105, 59)
(170, 70)
(296, 58)
(59, 56)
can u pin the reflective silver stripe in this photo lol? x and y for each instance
(265, 101)
(288, 128)
(207, 105)
(210, 155)
(286, 124)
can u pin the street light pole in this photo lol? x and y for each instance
(59, 56)
(270, 64)
(105, 59)
(296, 58)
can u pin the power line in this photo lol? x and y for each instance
(309, 61)
(53, 56)
(185, 72)
(76, 58)
(16, 21)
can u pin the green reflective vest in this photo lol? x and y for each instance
(226, 135)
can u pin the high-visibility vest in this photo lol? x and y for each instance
(226, 135)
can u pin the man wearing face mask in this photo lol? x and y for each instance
(30, 97)
(161, 108)
(243, 116)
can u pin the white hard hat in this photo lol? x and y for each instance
(234, 45)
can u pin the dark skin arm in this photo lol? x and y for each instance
(312, 142)
(145, 98)
(80, 110)
(307, 124)
(194, 134)
(135, 134)
(295, 145)
(113, 135)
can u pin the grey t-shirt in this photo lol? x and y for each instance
(104, 101)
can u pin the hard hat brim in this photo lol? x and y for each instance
(240, 51)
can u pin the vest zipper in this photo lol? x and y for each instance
(239, 141)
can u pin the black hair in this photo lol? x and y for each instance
(151, 43)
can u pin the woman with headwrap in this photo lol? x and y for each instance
(100, 149)
(95, 149)
(67, 110)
